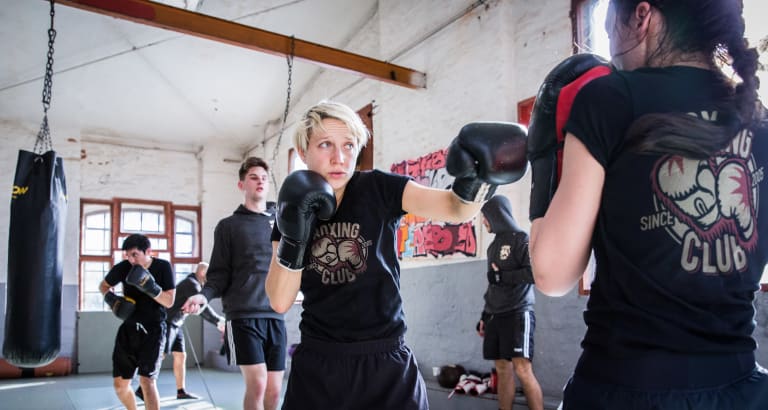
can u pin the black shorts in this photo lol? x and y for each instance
(256, 341)
(175, 340)
(509, 335)
(747, 393)
(139, 346)
(374, 375)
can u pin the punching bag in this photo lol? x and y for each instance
(35, 255)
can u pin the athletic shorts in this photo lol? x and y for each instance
(256, 341)
(175, 340)
(138, 346)
(509, 335)
(747, 393)
(373, 375)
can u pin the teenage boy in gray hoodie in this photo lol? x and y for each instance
(242, 249)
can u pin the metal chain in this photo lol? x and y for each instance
(43, 142)
(289, 60)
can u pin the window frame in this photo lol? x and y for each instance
(116, 206)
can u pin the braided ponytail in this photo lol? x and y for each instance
(716, 31)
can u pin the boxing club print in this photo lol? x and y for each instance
(339, 252)
(710, 206)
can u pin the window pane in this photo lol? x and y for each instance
(142, 218)
(96, 232)
(183, 246)
(118, 256)
(151, 222)
(96, 242)
(98, 220)
(591, 22)
(94, 302)
(159, 244)
(185, 241)
(183, 269)
(131, 221)
(183, 225)
(93, 274)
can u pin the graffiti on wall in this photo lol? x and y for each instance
(420, 237)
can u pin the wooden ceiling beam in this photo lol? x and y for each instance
(216, 29)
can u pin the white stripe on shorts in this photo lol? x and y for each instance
(527, 335)
(231, 344)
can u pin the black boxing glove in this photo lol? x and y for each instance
(304, 198)
(485, 155)
(121, 307)
(142, 280)
(550, 113)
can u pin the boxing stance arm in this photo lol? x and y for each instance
(560, 241)
(104, 287)
(282, 284)
(437, 204)
(166, 297)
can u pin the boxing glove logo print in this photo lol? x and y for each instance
(339, 253)
(712, 205)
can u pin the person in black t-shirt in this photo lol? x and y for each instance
(663, 177)
(508, 319)
(335, 240)
(148, 284)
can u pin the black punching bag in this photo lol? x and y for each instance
(35, 255)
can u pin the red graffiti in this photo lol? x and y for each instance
(428, 239)
(419, 168)
(419, 237)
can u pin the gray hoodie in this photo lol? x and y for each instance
(242, 250)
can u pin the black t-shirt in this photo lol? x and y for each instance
(351, 280)
(679, 243)
(147, 309)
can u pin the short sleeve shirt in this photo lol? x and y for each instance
(351, 279)
(147, 309)
(679, 242)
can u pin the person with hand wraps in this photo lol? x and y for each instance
(148, 282)
(335, 241)
(663, 177)
(508, 320)
(255, 333)
(191, 285)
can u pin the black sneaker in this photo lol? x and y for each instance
(139, 394)
(181, 394)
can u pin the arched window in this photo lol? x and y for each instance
(173, 231)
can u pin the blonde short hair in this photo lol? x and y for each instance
(313, 118)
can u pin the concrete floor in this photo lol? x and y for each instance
(220, 387)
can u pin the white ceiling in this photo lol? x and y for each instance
(115, 79)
